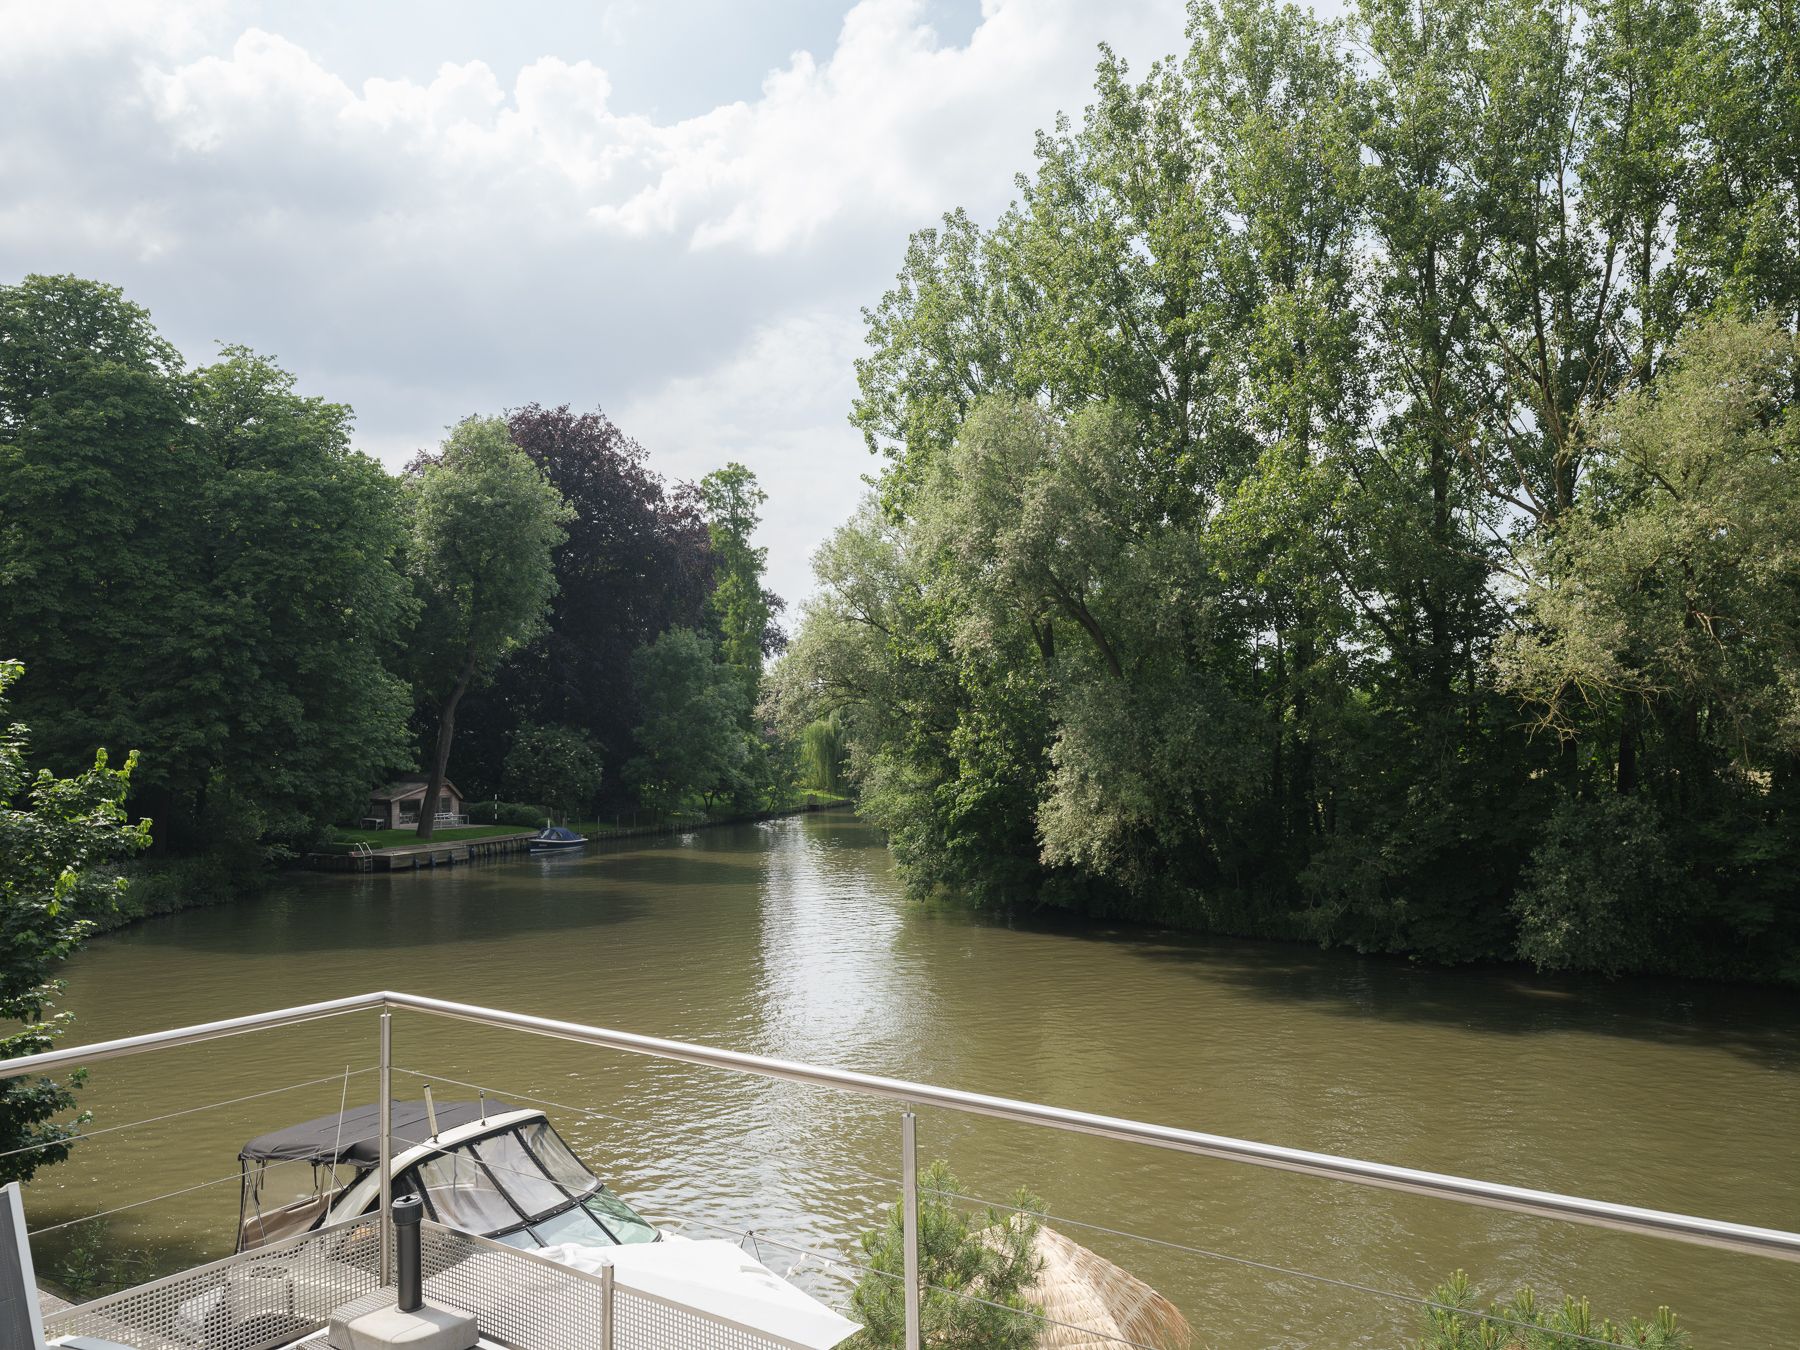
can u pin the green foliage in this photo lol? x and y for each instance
(507, 813)
(1601, 892)
(306, 604)
(169, 885)
(1353, 457)
(558, 766)
(485, 524)
(822, 751)
(973, 1270)
(692, 736)
(57, 837)
(215, 526)
(739, 607)
(1459, 1322)
(91, 1265)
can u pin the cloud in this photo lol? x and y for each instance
(489, 236)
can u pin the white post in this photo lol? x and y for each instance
(606, 1307)
(385, 1075)
(909, 1221)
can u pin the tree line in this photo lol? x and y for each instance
(197, 565)
(1352, 495)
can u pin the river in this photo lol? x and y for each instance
(792, 938)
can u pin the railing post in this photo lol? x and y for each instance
(606, 1306)
(909, 1221)
(385, 1077)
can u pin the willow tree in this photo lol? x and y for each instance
(485, 525)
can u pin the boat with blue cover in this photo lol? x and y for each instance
(555, 839)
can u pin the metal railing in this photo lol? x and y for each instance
(1685, 1228)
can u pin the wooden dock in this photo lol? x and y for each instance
(412, 857)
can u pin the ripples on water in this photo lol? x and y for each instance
(792, 939)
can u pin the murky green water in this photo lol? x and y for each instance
(792, 939)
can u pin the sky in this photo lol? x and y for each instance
(673, 211)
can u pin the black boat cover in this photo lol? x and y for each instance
(354, 1137)
(558, 835)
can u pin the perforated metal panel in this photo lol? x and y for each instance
(264, 1299)
(281, 1294)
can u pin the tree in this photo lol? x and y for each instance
(1659, 629)
(303, 600)
(973, 1271)
(485, 524)
(56, 837)
(692, 741)
(557, 767)
(637, 561)
(98, 554)
(822, 753)
(1256, 497)
(742, 612)
(198, 565)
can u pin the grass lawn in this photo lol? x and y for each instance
(392, 838)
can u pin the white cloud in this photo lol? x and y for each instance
(778, 404)
(485, 237)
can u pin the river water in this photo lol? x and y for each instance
(792, 938)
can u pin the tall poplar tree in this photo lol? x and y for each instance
(485, 525)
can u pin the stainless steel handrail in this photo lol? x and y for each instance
(1687, 1228)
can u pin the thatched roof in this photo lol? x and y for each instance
(1078, 1288)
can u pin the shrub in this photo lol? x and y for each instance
(507, 813)
(169, 885)
(1459, 1324)
(963, 1257)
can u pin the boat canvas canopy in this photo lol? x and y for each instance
(353, 1137)
(559, 835)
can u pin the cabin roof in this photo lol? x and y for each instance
(408, 787)
(354, 1137)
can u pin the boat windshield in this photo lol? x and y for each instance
(525, 1187)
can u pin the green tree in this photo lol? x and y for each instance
(1225, 464)
(304, 602)
(558, 767)
(822, 752)
(485, 522)
(98, 554)
(197, 565)
(57, 836)
(692, 740)
(742, 612)
(974, 1268)
(1659, 631)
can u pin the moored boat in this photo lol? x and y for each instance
(555, 839)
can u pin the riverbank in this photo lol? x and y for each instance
(157, 887)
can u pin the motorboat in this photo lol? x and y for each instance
(499, 1172)
(555, 839)
(487, 1167)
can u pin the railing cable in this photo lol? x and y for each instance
(1268, 1267)
(174, 1115)
(166, 1195)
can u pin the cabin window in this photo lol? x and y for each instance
(625, 1224)
(568, 1170)
(463, 1195)
(523, 1179)
(572, 1225)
